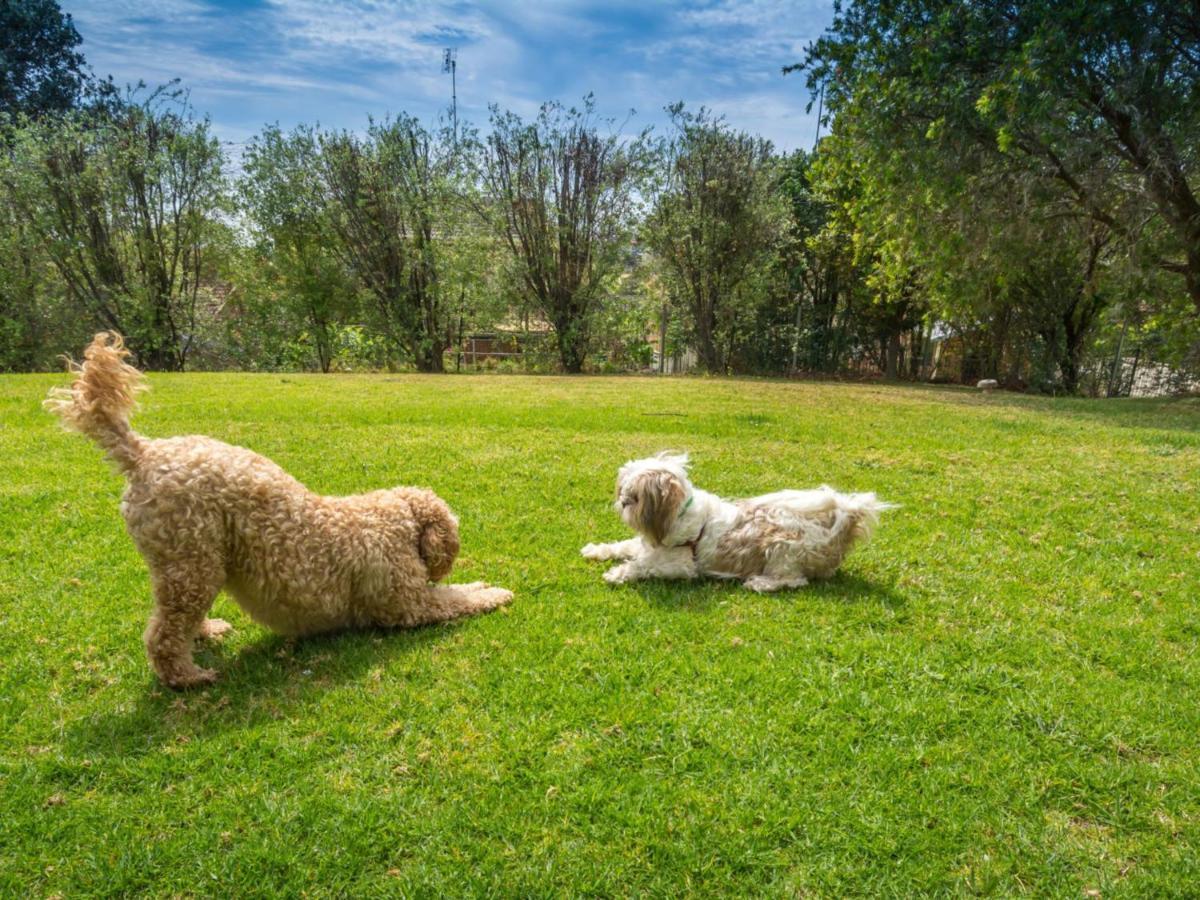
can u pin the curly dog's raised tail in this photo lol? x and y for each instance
(99, 402)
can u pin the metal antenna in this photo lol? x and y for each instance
(450, 64)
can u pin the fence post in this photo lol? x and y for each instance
(662, 339)
(1133, 371)
(1112, 374)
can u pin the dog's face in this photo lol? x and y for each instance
(651, 493)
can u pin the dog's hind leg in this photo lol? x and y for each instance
(184, 590)
(443, 602)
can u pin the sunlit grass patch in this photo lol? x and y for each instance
(998, 694)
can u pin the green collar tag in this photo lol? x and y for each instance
(686, 505)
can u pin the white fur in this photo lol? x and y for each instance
(774, 541)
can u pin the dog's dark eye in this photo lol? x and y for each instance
(627, 501)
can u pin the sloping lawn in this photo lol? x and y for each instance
(1000, 694)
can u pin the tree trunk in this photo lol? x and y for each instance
(1068, 367)
(571, 355)
(892, 357)
(710, 354)
(1192, 278)
(157, 357)
(662, 339)
(706, 342)
(324, 344)
(428, 357)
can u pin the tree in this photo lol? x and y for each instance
(294, 239)
(40, 69)
(123, 200)
(1100, 98)
(562, 198)
(716, 218)
(37, 321)
(385, 195)
(818, 260)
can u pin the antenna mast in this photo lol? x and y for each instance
(450, 64)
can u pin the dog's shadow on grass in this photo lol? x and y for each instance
(270, 678)
(699, 595)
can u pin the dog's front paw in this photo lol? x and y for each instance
(214, 628)
(594, 551)
(763, 584)
(195, 678)
(493, 597)
(618, 575)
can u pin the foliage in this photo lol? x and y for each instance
(1097, 102)
(293, 266)
(622, 323)
(124, 201)
(40, 69)
(966, 196)
(563, 199)
(715, 223)
(36, 317)
(384, 194)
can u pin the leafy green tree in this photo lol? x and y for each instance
(475, 271)
(385, 195)
(717, 219)
(40, 69)
(1098, 98)
(123, 201)
(563, 199)
(37, 322)
(296, 267)
(819, 267)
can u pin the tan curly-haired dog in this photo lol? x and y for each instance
(206, 515)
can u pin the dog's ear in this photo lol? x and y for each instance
(675, 458)
(439, 546)
(438, 541)
(659, 495)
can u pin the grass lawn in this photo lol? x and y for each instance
(1000, 694)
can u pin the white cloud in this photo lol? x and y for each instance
(338, 60)
(396, 31)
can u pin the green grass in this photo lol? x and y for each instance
(1000, 694)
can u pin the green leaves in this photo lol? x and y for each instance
(1093, 105)
(563, 198)
(41, 72)
(124, 201)
(717, 221)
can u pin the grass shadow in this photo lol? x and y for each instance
(270, 679)
(703, 594)
(1180, 414)
(848, 588)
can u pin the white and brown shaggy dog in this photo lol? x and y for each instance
(207, 515)
(775, 541)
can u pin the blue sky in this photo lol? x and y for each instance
(247, 62)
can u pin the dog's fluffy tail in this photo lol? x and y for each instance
(864, 510)
(99, 402)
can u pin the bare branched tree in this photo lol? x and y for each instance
(562, 196)
(384, 194)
